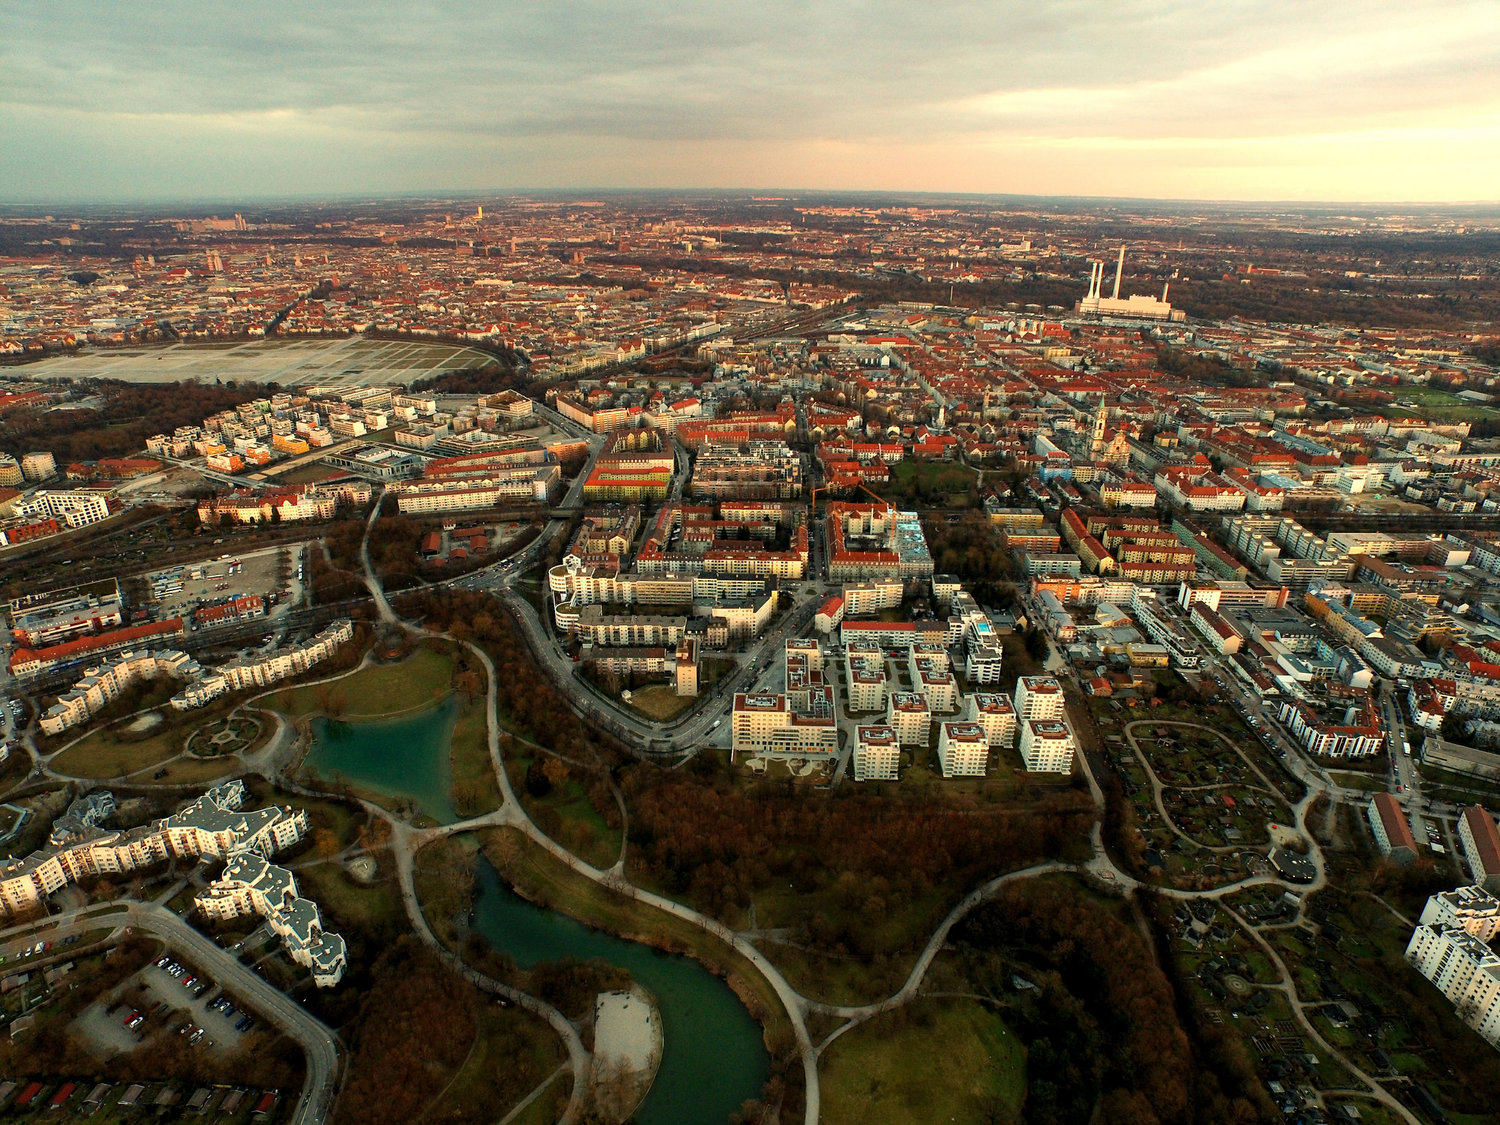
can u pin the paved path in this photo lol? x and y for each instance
(791, 1000)
(377, 591)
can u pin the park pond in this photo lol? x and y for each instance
(713, 1058)
(405, 757)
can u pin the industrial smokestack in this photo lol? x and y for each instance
(1119, 269)
(1164, 286)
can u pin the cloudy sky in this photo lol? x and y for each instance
(1256, 99)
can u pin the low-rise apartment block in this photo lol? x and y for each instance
(865, 599)
(877, 754)
(765, 725)
(1392, 831)
(963, 749)
(909, 716)
(1047, 746)
(250, 884)
(214, 826)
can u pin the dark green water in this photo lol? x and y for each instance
(399, 757)
(712, 1057)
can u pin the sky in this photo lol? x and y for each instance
(1233, 99)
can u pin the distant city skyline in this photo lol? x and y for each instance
(1258, 100)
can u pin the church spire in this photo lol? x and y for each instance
(1096, 447)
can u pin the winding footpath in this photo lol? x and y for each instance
(406, 841)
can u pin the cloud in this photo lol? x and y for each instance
(350, 96)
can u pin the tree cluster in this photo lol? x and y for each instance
(414, 1029)
(128, 414)
(871, 856)
(971, 549)
(1104, 1039)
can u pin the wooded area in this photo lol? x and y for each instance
(415, 1027)
(126, 416)
(1102, 1027)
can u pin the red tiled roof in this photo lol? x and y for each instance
(85, 645)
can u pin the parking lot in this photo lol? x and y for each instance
(165, 997)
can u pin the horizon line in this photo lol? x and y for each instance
(748, 193)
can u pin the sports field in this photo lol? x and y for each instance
(353, 362)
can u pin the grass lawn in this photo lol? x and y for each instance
(566, 814)
(103, 754)
(474, 788)
(549, 1105)
(348, 903)
(932, 482)
(513, 1052)
(1368, 782)
(660, 702)
(307, 474)
(888, 1070)
(1438, 406)
(190, 771)
(383, 690)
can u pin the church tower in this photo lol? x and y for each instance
(1096, 447)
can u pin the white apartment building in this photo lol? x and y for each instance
(1038, 697)
(1471, 909)
(523, 483)
(1481, 841)
(103, 684)
(865, 675)
(214, 825)
(996, 714)
(808, 649)
(595, 627)
(982, 664)
(1047, 746)
(1464, 969)
(877, 753)
(74, 507)
(765, 725)
(934, 683)
(38, 466)
(963, 749)
(909, 716)
(251, 885)
(864, 598)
